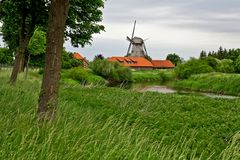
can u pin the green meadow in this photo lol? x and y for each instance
(111, 123)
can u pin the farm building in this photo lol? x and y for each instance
(81, 58)
(140, 63)
(162, 64)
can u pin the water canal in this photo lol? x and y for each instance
(167, 90)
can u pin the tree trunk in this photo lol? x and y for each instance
(55, 37)
(19, 59)
(26, 32)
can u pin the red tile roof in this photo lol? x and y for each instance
(162, 64)
(132, 61)
(78, 56)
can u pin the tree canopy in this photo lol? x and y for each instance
(20, 17)
(174, 58)
(37, 43)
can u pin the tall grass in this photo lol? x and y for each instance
(221, 83)
(109, 123)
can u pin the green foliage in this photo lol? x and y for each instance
(110, 123)
(225, 66)
(6, 56)
(159, 76)
(68, 61)
(82, 21)
(146, 76)
(225, 54)
(19, 18)
(237, 64)
(83, 76)
(112, 71)
(213, 62)
(37, 61)
(212, 82)
(174, 58)
(99, 56)
(37, 43)
(203, 54)
(192, 67)
(167, 76)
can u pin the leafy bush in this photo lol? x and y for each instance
(167, 76)
(213, 62)
(69, 62)
(193, 66)
(112, 71)
(83, 76)
(226, 66)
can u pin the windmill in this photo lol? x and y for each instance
(136, 45)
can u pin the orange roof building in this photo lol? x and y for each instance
(141, 63)
(162, 64)
(81, 58)
(133, 62)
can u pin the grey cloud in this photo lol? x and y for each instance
(206, 15)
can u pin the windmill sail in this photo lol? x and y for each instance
(131, 37)
(136, 45)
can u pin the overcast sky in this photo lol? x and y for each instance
(182, 26)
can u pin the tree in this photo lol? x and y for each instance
(81, 23)
(55, 37)
(174, 58)
(19, 18)
(203, 54)
(37, 45)
(191, 67)
(98, 56)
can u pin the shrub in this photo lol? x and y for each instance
(69, 62)
(83, 76)
(226, 66)
(191, 67)
(112, 71)
(166, 76)
(213, 62)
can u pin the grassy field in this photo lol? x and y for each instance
(221, 83)
(110, 123)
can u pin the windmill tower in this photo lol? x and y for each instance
(136, 45)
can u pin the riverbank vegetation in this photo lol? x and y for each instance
(159, 76)
(111, 123)
(220, 83)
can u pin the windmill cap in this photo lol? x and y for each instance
(137, 40)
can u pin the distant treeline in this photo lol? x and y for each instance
(222, 53)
